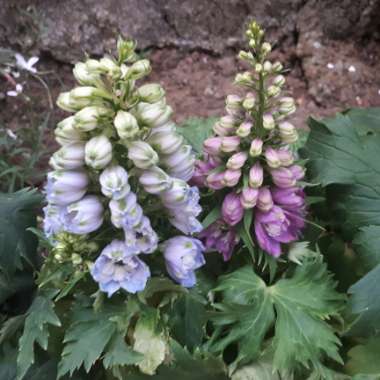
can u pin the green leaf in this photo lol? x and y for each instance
(365, 302)
(187, 321)
(85, 340)
(367, 246)
(211, 217)
(298, 306)
(39, 316)
(196, 130)
(364, 358)
(119, 354)
(17, 214)
(10, 327)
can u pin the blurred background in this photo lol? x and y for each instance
(330, 47)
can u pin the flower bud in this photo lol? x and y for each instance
(264, 199)
(272, 158)
(277, 67)
(84, 76)
(107, 65)
(126, 50)
(267, 67)
(88, 93)
(231, 177)
(154, 114)
(98, 152)
(126, 125)
(126, 212)
(215, 180)
(286, 106)
(283, 177)
(237, 160)
(151, 93)
(256, 176)
(232, 209)
(256, 147)
(84, 216)
(155, 180)
(279, 81)
(165, 143)
(286, 156)
(266, 48)
(90, 117)
(142, 154)
(246, 56)
(244, 79)
(66, 133)
(66, 186)
(212, 145)
(248, 197)
(139, 69)
(244, 129)
(258, 67)
(176, 195)
(225, 126)
(249, 101)
(70, 156)
(67, 103)
(180, 164)
(297, 171)
(114, 182)
(233, 105)
(288, 133)
(273, 91)
(230, 143)
(268, 122)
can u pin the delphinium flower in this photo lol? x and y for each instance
(121, 156)
(249, 159)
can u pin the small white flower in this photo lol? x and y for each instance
(317, 45)
(11, 134)
(352, 69)
(26, 65)
(330, 66)
(17, 91)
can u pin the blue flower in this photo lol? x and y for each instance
(183, 255)
(52, 222)
(118, 267)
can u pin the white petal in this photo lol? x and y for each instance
(20, 61)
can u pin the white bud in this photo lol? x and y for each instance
(109, 66)
(126, 125)
(66, 132)
(142, 154)
(249, 101)
(287, 106)
(180, 164)
(155, 180)
(139, 69)
(84, 76)
(244, 79)
(244, 129)
(273, 91)
(246, 56)
(68, 157)
(166, 143)
(90, 117)
(288, 133)
(151, 93)
(234, 105)
(279, 80)
(268, 122)
(67, 103)
(114, 182)
(98, 152)
(256, 147)
(258, 67)
(266, 48)
(277, 67)
(88, 93)
(267, 67)
(154, 114)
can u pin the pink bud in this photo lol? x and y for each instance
(232, 210)
(283, 177)
(244, 129)
(286, 156)
(237, 160)
(215, 181)
(272, 158)
(256, 147)
(248, 197)
(212, 145)
(264, 199)
(297, 171)
(231, 177)
(225, 126)
(230, 143)
(201, 170)
(256, 176)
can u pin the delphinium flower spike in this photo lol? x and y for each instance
(120, 154)
(250, 161)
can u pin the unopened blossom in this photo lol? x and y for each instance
(237, 160)
(114, 182)
(232, 209)
(244, 129)
(154, 114)
(155, 180)
(183, 255)
(231, 177)
(225, 126)
(151, 92)
(126, 125)
(90, 117)
(272, 158)
(142, 154)
(212, 145)
(201, 171)
(230, 143)
(283, 177)
(264, 199)
(256, 175)
(256, 147)
(69, 157)
(98, 152)
(165, 142)
(248, 197)
(215, 180)
(66, 132)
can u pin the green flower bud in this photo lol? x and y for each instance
(151, 93)
(98, 152)
(76, 259)
(89, 118)
(258, 67)
(126, 125)
(244, 79)
(287, 106)
(126, 50)
(249, 101)
(84, 76)
(154, 114)
(266, 48)
(67, 103)
(66, 132)
(273, 91)
(88, 93)
(277, 67)
(279, 80)
(246, 56)
(268, 122)
(139, 69)
(267, 67)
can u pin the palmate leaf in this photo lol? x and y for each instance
(196, 130)
(17, 214)
(301, 303)
(40, 315)
(367, 246)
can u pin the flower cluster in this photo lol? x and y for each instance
(120, 153)
(249, 158)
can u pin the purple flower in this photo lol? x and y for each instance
(264, 200)
(146, 237)
(126, 212)
(84, 216)
(212, 145)
(232, 209)
(291, 198)
(183, 255)
(283, 177)
(220, 237)
(248, 197)
(215, 181)
(231, 177)
(52, 222)
(114, 182)
(274, 227)
(118, 267)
